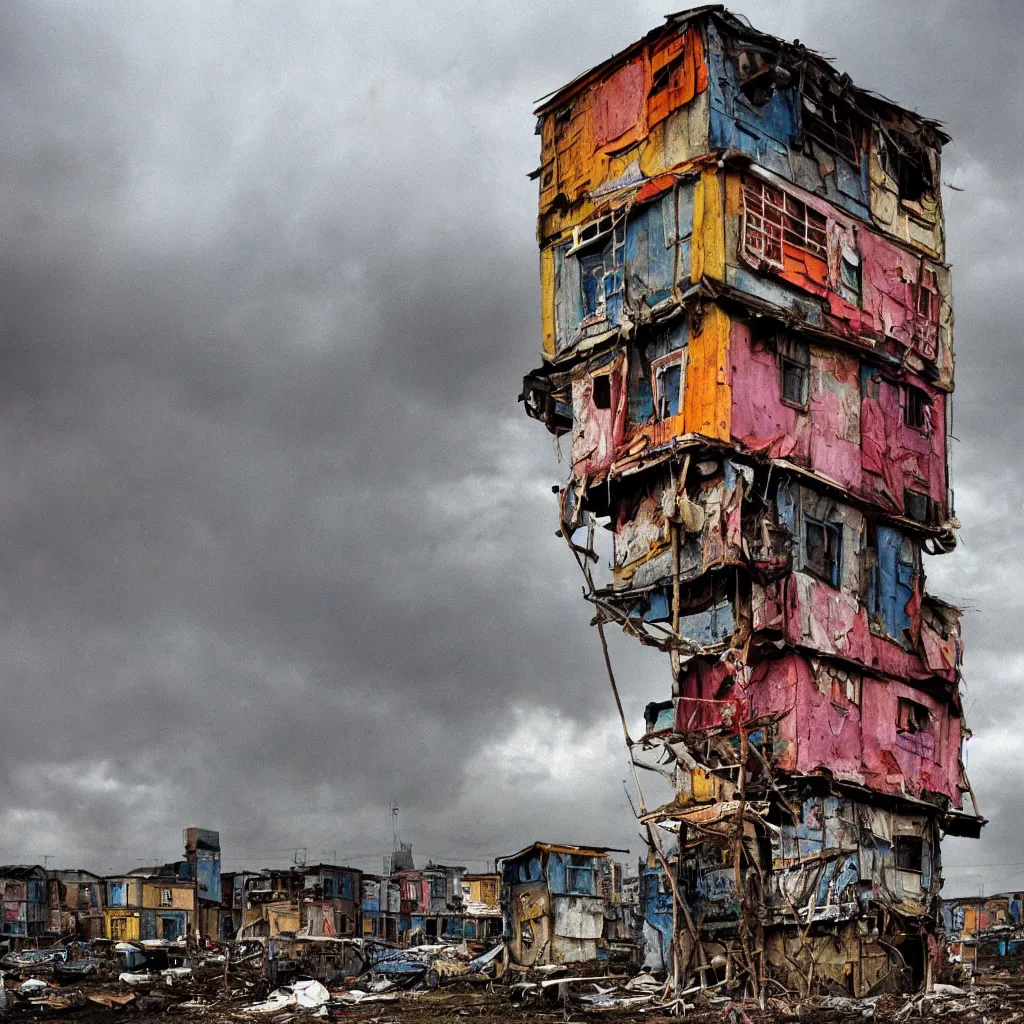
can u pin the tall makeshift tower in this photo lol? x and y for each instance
(748, 335)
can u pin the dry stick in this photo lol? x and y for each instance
(738, 862)
(655, 843)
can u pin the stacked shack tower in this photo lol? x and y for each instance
(748, 337)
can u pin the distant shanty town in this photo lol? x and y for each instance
(550, 903)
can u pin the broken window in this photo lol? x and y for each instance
(592, 271)
(598, 248)
(928, 296)
(762, 224)
(795, 370)
(917, 506)
(587, 234)
(773, 218)
(831, 123)
(912, 717)
(928, 303)
(165, 897)
(909, 853)
(661, 78)
(579, 876)
(907, 162)
(757, 77)
(849, 275)
(668, 383)
(602, 394)
(823, 548)
(917, 408)
(438, 888)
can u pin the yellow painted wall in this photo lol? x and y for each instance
(707, 400)
(182, 895)
(129, 929)
(283, 920)
(917, 224)
(547, 300)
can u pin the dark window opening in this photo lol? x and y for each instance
(928, 297)
(909, 853)
(912, 717)
(795, 366)
(668, 379)
(917, 506)
(592, 271)
(757, 77)
(663, 76)
(823, 544)
(849, 276)
(831, 124)
(603, 392)
(908, 162)
(916, 408)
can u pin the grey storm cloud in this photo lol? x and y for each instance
(276, 541)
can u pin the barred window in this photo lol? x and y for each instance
(772, 217)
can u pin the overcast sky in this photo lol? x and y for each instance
(276, 541)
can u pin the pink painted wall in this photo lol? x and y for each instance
(889, 279)
(816, 616)
(897, 456)
(862, 445)
(857, 741)
(597, 432)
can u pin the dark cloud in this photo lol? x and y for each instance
(276, 542)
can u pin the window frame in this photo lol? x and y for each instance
(779, 219)
(912, 717)
(915, 845)
(916, 405)
(829, 529)
(794, 353)
(166, 898)
(928, 506)
(678, 357)
(580, 870)
(836, 134)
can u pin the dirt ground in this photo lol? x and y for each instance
(997, 1000)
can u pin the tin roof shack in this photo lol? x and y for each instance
(319, 900)
(331, 901)
(26, 902)
(481, 899)
(79, 903)
(231, 913)
(168, 908)
(382, 906)
(271, 904)
(431, 906)
(553, 903)
(985, 933)
(747, 336)
(122, 911)
(202, 853)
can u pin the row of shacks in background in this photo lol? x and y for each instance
(192, 900)
(550, 903)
